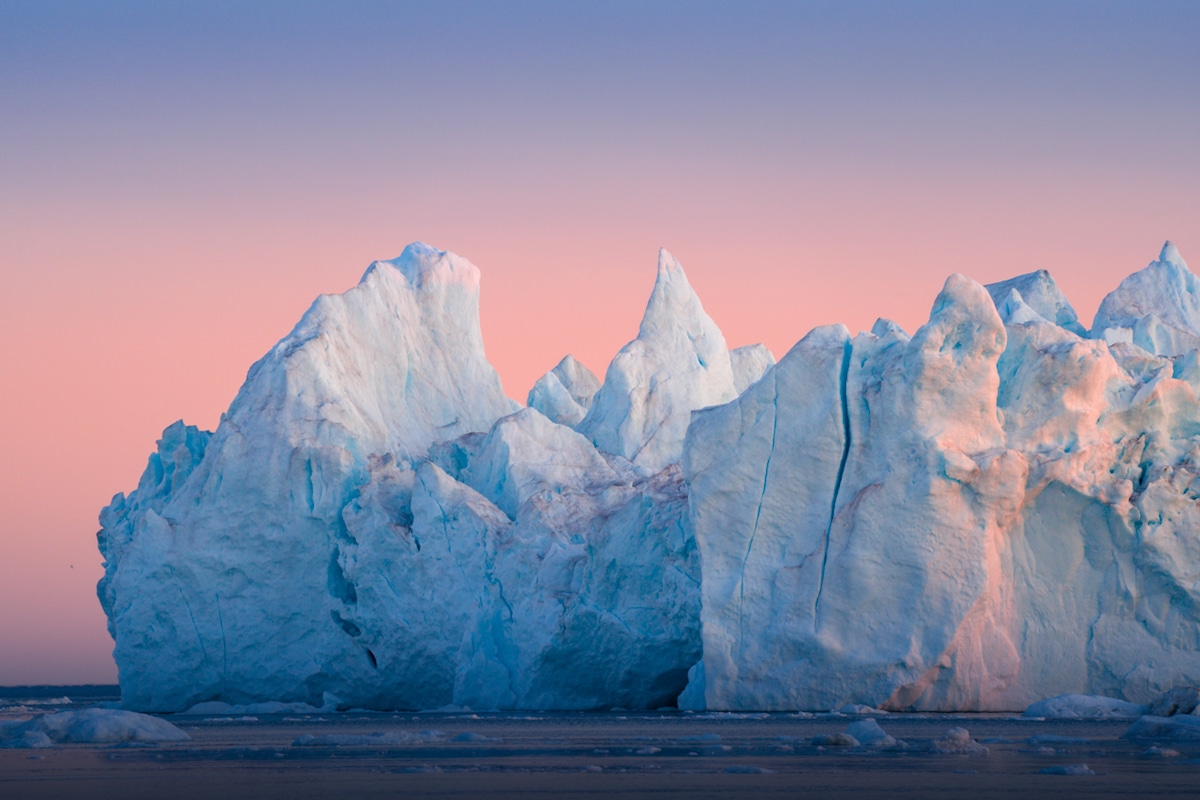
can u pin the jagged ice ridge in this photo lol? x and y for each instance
(997, 509)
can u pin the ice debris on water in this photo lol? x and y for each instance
(90, 726)
(1066, 769)
(1078, 706)
(1180, 727)
(868, 733)
(958, 741)
(377, 738)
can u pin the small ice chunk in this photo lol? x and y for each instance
(29, 740)
(369, 739)
(958, 741)
(1053, 738)
(1066, 769)
(101, 725)
(868, 732)
(1156, 751)
(1084, 706)
(1181, 700)
(1185, 726)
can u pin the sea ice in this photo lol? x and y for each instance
(1081, 706)
(89, 726)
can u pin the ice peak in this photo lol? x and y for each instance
(668, 263)
(423, 265)
(1039, 295)
(1159, 307)
(673, 300)
(678, 363)
(1170, 255)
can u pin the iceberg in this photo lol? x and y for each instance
(374, 524)
(88, 726)
(1000, 508)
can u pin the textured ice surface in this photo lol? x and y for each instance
(990, 512)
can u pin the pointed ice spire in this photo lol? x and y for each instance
(677, 364)
(1170, 254)
(1159, 305)
(1041, 294)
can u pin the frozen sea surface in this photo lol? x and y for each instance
(614, 754)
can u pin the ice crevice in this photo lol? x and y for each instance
(224, 643)
(843, 378)
(758, 513)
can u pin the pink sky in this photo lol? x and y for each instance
(151, 248)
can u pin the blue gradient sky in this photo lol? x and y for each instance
(179, 180)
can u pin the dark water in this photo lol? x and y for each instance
(592, 756)
(84, 693)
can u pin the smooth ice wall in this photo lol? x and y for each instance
(178, 182)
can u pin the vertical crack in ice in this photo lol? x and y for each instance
(224, 645)
(510, 669)
(837, 485)
(191, 615)
(446, 531)
(758, 514)
(309, 488)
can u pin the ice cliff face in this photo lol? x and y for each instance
(1009, 514)
(994, 510)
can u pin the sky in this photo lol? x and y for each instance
(178, 182)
